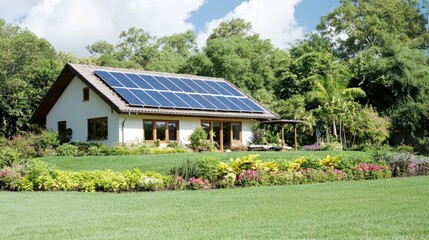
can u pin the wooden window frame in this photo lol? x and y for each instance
(92, 129)
(85, 94)
(240, 141)
(154, 135)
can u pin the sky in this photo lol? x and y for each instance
(71, 25)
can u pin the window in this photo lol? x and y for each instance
(62, 126)
(86, 94)
(97, 128)
(160, 129)
(172, 131)
(206, 126)
(148, 130)
(236, 129)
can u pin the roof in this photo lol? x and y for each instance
(86, 74)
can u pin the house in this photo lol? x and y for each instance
(111, 105)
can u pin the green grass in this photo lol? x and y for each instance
(163, 162)
(380, 209)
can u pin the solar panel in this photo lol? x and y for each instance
(194, 86)
(251, 104)
(153, 82)
(183, 93)
(129, 96)
(201, 100)
(216, 86)
(239, 103)
(182, 85)
(189, 101)
(230, 89)
(159, 98)
(109, 79)
(218, 104)
(206, 87)
(169, 84)
(145, 98)
(228, 103)
(139, 81)
(175, 100)
(124, 80)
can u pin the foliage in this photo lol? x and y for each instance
(68, 149)
(198, 138)
(422, 146)
(187, 170)
(404, 164)
(198, 184)
(28, 66)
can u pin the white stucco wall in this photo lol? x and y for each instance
(246, 130)
(71, 108)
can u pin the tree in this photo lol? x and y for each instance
(233, 52)
(391, 75)
(237, 27)
(28, 66)
(357, 25)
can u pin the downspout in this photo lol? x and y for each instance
(123, 126)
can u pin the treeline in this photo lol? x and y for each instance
(360, 77)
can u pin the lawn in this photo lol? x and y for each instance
(379, 209)
(163, 162)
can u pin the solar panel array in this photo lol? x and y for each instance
(179, 93)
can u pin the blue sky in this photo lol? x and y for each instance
(70, 26)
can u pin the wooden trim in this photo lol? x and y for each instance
(154, 135)
(104, 130)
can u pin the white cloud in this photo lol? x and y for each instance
(272, 19)
(14, 11)
(72, 25)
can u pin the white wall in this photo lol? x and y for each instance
(71, 108)
(246, 130)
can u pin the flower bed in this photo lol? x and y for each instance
(193, 175)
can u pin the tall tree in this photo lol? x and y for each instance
(357, 25)
(28, 66)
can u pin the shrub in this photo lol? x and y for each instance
(332, 146)
(370, 171)
(9, 156)
(46, 140)
(408, 165)
(178, 183)
(313, 147)
(68, 149)
(198, 184)
(197, 138)
(208, 168)
(422, 146)
(40, 175)
(186, 170)
(228, 180)
(249, 178)
(10, 176)
(329, 162)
